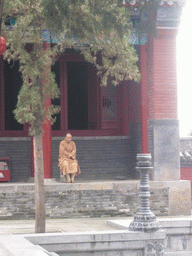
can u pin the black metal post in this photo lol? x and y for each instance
(144, 220)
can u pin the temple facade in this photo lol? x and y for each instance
(110, 125)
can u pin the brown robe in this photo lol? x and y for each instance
(67, 158)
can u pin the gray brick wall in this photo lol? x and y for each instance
(120, 198)
(135, 144)
(19, 151)
(99, 158)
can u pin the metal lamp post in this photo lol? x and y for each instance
(144, 220)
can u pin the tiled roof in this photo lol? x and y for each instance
(168, 13)
(172, 2)
(186, 156)
(186, 151)
(161, 2)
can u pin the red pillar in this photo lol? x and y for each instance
(144, 98)
(47, 147)
(47, 137)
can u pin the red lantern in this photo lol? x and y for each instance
(3, 46)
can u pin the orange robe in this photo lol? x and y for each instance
(67, 158)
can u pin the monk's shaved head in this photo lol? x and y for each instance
(68, 137)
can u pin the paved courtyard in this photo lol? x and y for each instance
(56, 225)
(69, 225)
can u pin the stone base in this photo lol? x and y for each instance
(164, 146)
(145, 223)
(179, 194)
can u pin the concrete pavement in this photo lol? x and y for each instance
(56, 225)
(70, 225)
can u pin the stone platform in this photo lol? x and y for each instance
(178, 241)
(94, 199)
(113, 243)
(174, 239)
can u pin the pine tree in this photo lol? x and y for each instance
(98, 29)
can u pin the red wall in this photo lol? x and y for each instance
(162, 75)
(186, 174)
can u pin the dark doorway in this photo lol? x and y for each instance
(12, 83)
(56, 102)
(77, 88)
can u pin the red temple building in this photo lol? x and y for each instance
(110, 125)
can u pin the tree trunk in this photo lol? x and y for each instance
(1, 13)
(39, 185)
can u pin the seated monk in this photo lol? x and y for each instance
(67, 159)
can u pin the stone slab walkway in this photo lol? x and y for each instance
(56, 225)
(74, 225)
